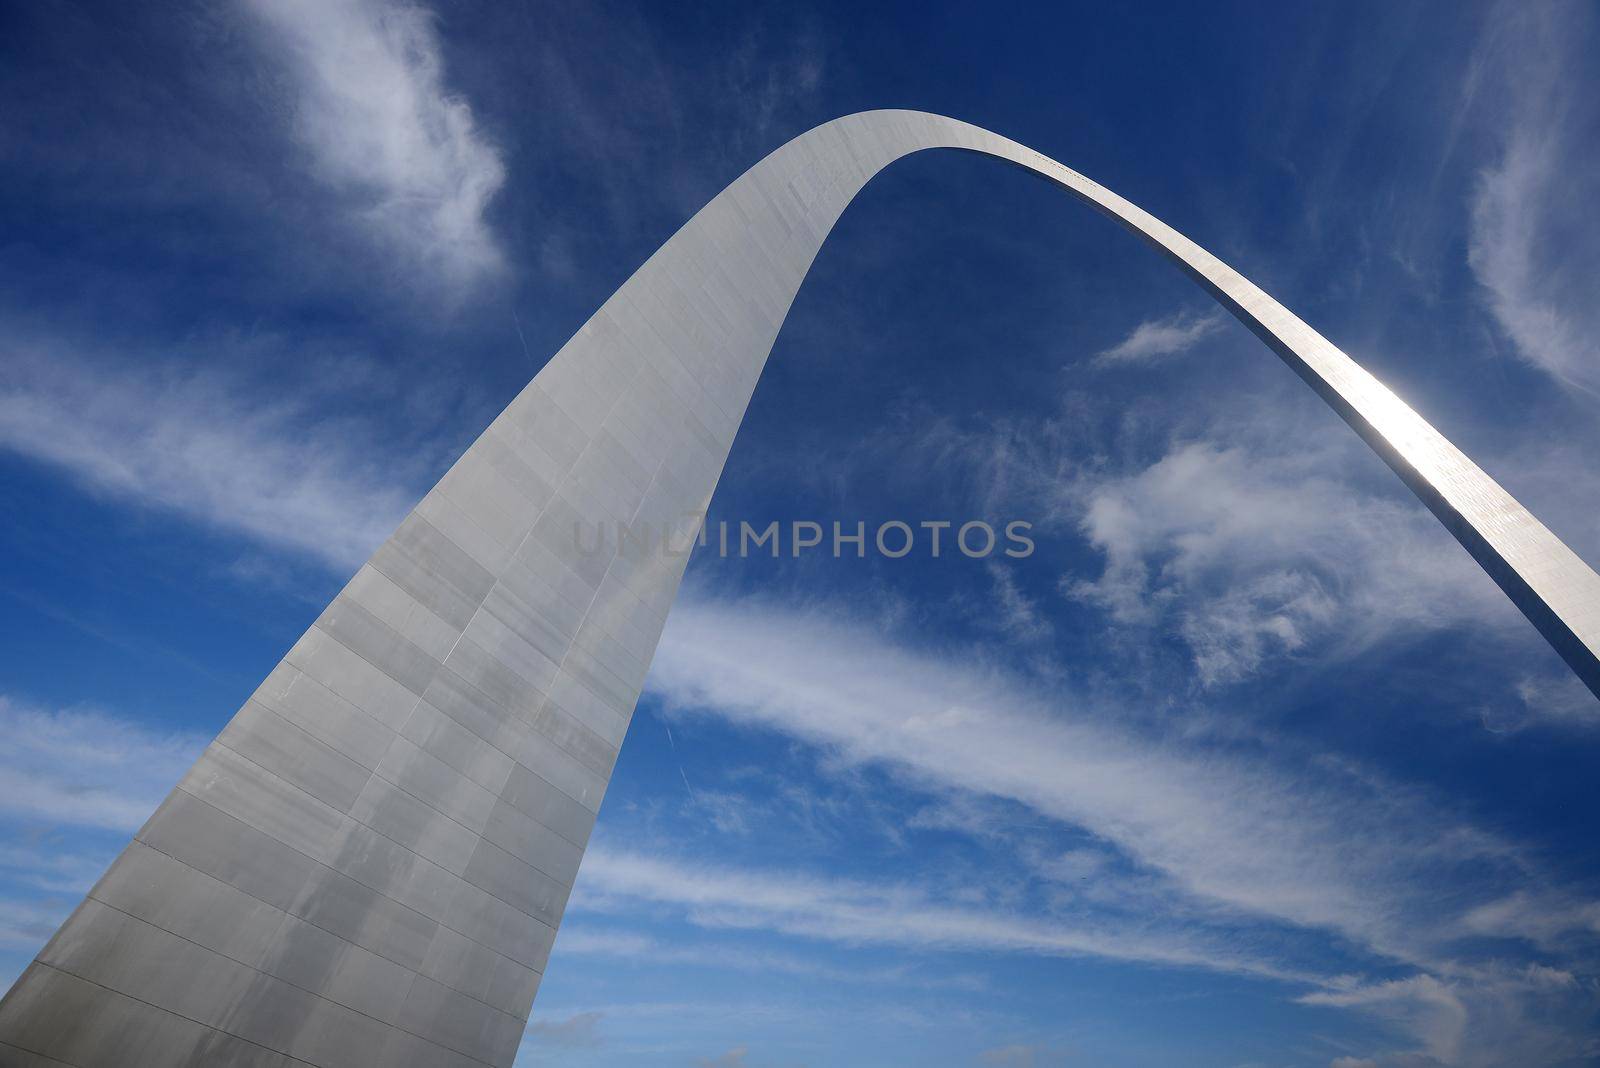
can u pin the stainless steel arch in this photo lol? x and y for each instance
(368, 866)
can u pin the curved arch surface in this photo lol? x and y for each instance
(369, 864)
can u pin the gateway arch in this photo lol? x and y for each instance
(369, 864)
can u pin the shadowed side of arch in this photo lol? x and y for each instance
(369, 864)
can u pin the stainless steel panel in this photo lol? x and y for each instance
(490, 499)
(168, 894)
(438, 734)
(541, 618)
(435, 570)
(345, 674)
(117, 951)
(312, 958)
(457, 1022)
(499, 682)
(547, 756)
(436, 784)
(77, 1022)
(533, 843)
(470, 707)
(377, 643)
(479, 545)
(519, 885)
(506, 647)
(535, 796)
(219, 845)
(359, 914)
(399, 610)
(490, 921)
(580, 702)
(259, 799)
(407, 819)
(574, 738)
(554, 569)
(269, 740)
(326, 716)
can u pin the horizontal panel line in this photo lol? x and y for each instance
(285, 982)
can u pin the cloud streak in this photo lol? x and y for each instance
(405, 156)
(637, 948)
(856, 913)
(1255, 530)
(1537, 194)
(1257, 552)
(1307, 844)
(84, 768)
(1236, 852)
(1532, 1015)
(202, 446)
(1156, 339)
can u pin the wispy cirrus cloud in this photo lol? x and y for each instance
(639, 948)
(1242, 845)
(1548, 918)
(1019, 616)
(74, 784)
(371, 106)
(859, 913)
(1231, 829)
(27, 925)
(1257, 530)
(1156, 339)
(1501, 1015)
(1253, 551)
(1537, 195)
(86, 768)
(733, 1058)
(1422, 1004)
(580, 1030)
(204, 446)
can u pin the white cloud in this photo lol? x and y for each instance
(854, 913)
(1554, 698)
(1262, 530)
(27, 925)
(635, 948)
(85, 768)
(1534, 248)
(1313, 845)
(580, 1030)
(733, 1058)
(1532, 1015)
(371, 107)
(1243, 845)
(1547, 918)
(1423, 1004)
(52, 865)
(207, 448)
(1017, 615)
(1251, 553)
(1155, 339)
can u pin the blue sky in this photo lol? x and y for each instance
(1248, 764)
